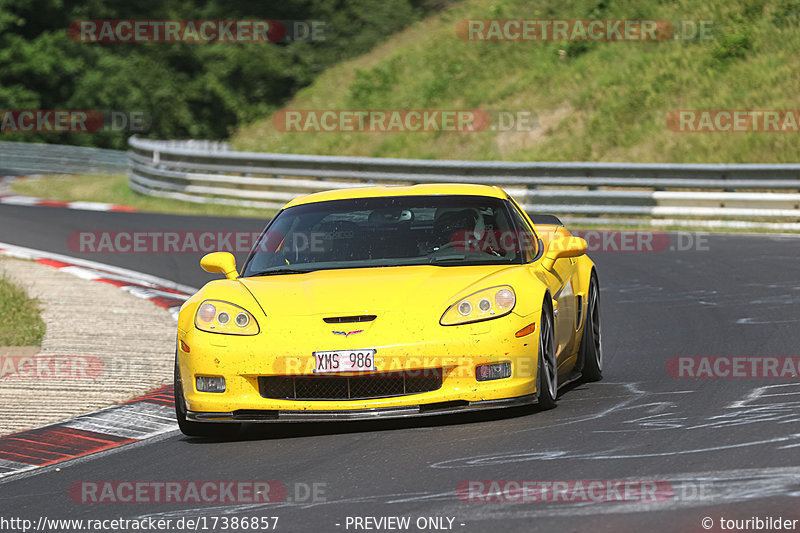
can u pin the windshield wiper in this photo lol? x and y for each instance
(280, 271)
(462, 260)
(447, 259)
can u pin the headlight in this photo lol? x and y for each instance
(482, 305)
(216, 316)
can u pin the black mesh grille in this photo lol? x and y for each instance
(349, 388)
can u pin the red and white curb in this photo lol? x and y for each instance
(143, 418)
(162, 292)
(30, 201)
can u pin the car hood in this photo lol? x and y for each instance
(360, 291)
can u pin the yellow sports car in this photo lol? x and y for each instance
(382, 302)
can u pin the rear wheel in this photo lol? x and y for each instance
(547, 373)
(198, 429)
(591, 350)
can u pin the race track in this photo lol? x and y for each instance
(726, 447)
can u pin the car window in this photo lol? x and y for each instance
(393, 231)
(528, 240)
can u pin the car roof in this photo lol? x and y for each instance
(428, 189)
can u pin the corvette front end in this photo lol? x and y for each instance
(387, 302)
(418, 366)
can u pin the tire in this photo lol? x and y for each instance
(591, 349)
(547, 373)
(214, 430)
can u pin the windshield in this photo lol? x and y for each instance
(390, 231)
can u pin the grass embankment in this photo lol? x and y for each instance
(21, 323)
(597, 101)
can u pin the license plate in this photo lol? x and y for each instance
(344, 361)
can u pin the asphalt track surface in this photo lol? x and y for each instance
(727, 447)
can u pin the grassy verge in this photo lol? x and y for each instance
(21, 325)
(114, 189)
(595, 101)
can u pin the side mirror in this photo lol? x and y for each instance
(220, 263)
(563, 247)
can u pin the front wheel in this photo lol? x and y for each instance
(591, 349)
(547, 373)
(198, 429)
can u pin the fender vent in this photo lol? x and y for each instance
(349, 319)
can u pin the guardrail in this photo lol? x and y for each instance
(710, 195)
(40, 158)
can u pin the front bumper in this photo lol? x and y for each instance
(455, 351)
(442, 408)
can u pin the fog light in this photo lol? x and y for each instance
(494, 371)
(209, 384)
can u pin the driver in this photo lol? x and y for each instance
(455, 226)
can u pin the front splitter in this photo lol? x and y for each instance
(410, 411)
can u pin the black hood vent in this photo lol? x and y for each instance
(349, 319)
